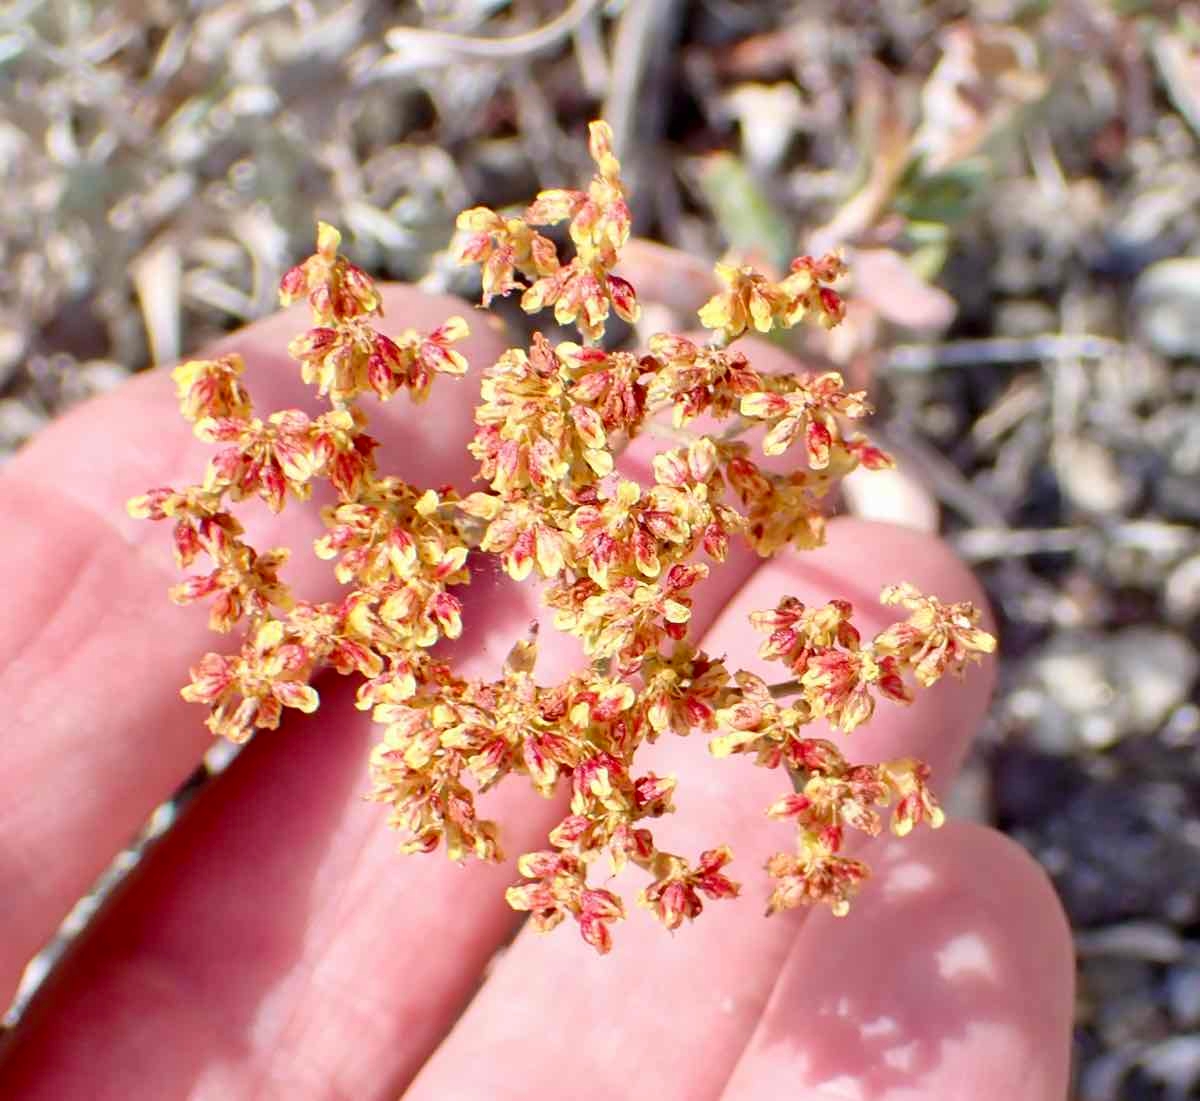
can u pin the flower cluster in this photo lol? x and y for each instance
(751, 301)
(583, 291)
(620, 561)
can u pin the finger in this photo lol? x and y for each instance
(553, 1012)
(954, 979)
(92, 654)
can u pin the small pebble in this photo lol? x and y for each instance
(18, 421)
(1138, 940)
(1089, 475)
(1181, 590)
(1176, 1064)
(1167, 295)
(1183, 994)
(1102, 1077)
(1153, 670)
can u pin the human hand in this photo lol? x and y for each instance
(273, 945)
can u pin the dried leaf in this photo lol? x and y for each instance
(986, 75)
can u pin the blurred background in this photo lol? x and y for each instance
(1016, 187)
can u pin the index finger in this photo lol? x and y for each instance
(92, 654)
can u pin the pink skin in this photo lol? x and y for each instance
(275, 946)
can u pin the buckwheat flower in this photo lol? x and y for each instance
(652, 795)
(747, 479)
(583, 291)
(417, 770)
(554, 205)
(815, 874)
(593, 702)
(504, 247)
(683, 692)
(600, 218)
(806, 292)
(249, 690)
(432, 809)
(342, 451)
(749, 300)
(689, 488)
(558, 889)
(788, 515)
(598, 910)
(583, 295)
(623, 531)
(266, 460)
(631, 619)
(335, 359)
(864, 453)
(243, 583)
(332, 629)
(827, 803)
(351, 358)
(419, 610)
(611, 383)
(166, 503)
(523, 533)
(754, 722)
(840, 685)
(527, 727)
(360, 618)
(392, 532)
(600, 785)
(546, 752)
(796, 631)
(336, 289)
(695, 380)
(809, 409)
(936, 638)
(674, 896)
(604, 222)
(406, 671)
(426, 357)
(566, 598)
(915, 804)
(210, 388)
(201, 524)
(530, 431)
(630, 844)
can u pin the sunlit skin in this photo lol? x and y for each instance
(275, 946)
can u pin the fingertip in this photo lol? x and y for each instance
(952, 977)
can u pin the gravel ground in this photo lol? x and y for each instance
(1016, 186)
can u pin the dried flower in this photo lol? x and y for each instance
(621, 560)
(751, 301)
